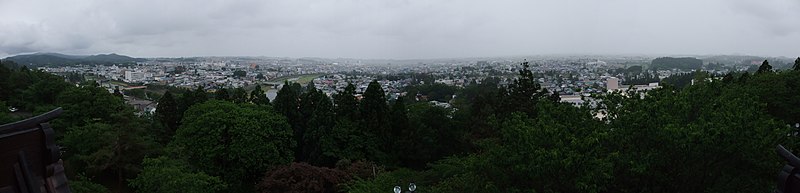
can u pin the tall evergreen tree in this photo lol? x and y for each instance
(258, 97)
(797, 64)
(399, 117)
(375, 115)
(728, 78)
(765, 67)
(309, 86)
(523, 94)
(297, 88)
(374, 109)
(745, 77)
(346, 105)
(317, 109)
(200, 95)
(167, 114)
(239, 95)
(190, 98)
(399, 125)
(555, 97)
(287, 103)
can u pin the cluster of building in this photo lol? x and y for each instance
(570, 76)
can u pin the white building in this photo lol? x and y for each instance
(133, 76)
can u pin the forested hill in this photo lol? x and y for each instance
(673, 63)
(56, 59)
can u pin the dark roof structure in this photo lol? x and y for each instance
(30, 161)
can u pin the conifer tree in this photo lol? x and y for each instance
(765, 67)
(239, 95)
(346, 105)
(167, 113)
(258, 97)
(374, 110)
(287, 103)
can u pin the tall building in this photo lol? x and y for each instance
(133, 76)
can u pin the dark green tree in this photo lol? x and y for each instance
(373, 107)
(287, 103)
(796, 66)
(115, 149)
(318, 110)
(239, 73)
(309, 87)
(87, 104)
(297, 88)
(118, 93)
(765, 67)
(167, 115)
(16, 83)
(523, 93)
(5, 89)
(346, 105)
(744, 78)
(190, 98)
(85, 185)
(347, 141)
(428, 137)
(239, 95)
(399, 124)
(236, 142)
(555, 97)
(200, 95)
(222, 94)
(375, 113)
(646, 130)
(258, 97)
(728, 78)
(165, 175)
(4, 116)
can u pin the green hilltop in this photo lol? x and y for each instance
(56, 59)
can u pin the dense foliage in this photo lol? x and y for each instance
(667, 63)
(235, 142)
(715, 135)
(163, 174)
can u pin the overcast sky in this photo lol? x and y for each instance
(399, 29)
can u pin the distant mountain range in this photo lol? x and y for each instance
(56, 59)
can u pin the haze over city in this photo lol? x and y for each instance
(399, 29)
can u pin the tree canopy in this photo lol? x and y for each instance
(234, 142)
(700, 132)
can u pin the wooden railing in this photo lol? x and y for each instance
(30, 161)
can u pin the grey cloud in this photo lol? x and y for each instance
(398, 28)
(779, 18)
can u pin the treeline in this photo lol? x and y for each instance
(713, 136)
(667, 63)
(55, 59)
